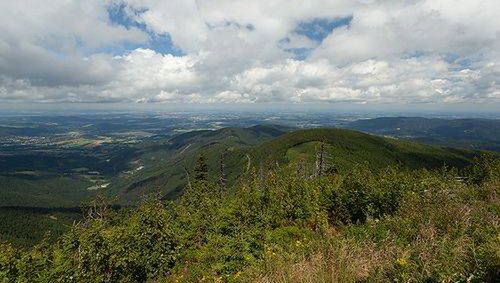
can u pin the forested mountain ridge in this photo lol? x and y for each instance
(464, 133)
(43, 177)
(346, 148)
(164, 167)
(168, 166)
(52, 198)
(363, 224)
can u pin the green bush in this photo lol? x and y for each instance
(359, 226)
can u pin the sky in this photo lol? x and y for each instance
(439, 53)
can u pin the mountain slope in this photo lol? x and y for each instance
(163, 166)
(166, 167)
(262, 146)
(345, 148)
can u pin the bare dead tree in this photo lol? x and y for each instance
(187, 176)
(98, 208)
(320, 160)
(222, 171)
(261, 174)
(301, 168)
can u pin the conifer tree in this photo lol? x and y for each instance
(201, 169)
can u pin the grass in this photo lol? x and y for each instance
(447, 233)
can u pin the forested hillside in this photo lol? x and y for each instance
(164, 167)
(267, 204)
(65, 178)
(42, 190)
(282, 224)
(346, 148)
(271, 146)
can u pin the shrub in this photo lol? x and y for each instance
(361, 226)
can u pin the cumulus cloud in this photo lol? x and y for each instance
(51, 43)
(422, 51)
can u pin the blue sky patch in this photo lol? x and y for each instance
(458, 63)
(120, 14)
(319, 28)
(316, 30)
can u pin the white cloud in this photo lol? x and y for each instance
(427, 51)
(43, 41)
(146, 69)
(387, 28)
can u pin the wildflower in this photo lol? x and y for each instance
(402, 262)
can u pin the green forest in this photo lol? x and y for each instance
(296, 222)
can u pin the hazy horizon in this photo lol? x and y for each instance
(256, 107)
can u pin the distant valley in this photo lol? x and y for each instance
(463, 133)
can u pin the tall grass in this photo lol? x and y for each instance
(447, 232)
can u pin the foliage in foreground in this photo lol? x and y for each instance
(363, 226)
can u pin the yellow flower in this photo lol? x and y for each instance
(402, 262)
